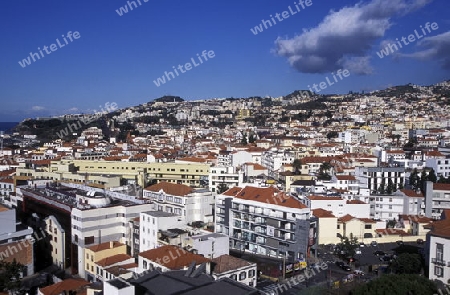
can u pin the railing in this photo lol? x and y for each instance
(438, 261)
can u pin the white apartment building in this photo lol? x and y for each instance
(98, 218)
(265, 221)
(438, 255)
(192, 204)
(151, 222)
(338, 206)
(225, 175)
(375, 177)
(437, 199)
(210, 245)
(440, 166)
(274, 159)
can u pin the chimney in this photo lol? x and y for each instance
(111, 245)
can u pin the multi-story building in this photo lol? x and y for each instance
(224, 175)
(57, 239)
(98, 252)
(191, 204)
(265, 221)
(437, 249)
(273, 160)
(150, 225)
(338, 206)
(374, 178)
(440, 166)
(437, 199)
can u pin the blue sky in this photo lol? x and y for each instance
(117, 58)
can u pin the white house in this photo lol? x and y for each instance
(189, 203)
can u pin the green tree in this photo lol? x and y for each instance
(297, 165)
(244, 139)
(432, 176)
(414, 179)
(324, 170)
(222, 187)
(407, 263)
(390, 187)
(349, 245)
(397, 284)
(251, 138)
(10, 275)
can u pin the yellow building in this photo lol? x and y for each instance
(98, 252)
(183, 173)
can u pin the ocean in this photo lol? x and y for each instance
(7, 126)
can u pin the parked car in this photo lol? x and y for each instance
(346, 267)
(419, 241)
(358, 272)
(399, 242)
(379, 253)
(373, 243)
(357, 251)
(361, 244)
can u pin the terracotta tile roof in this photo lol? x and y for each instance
(441, 186)
(321, 213)
(367, 220)
(256, 166)
(411, 193)
(64, 286)
(324, 198)
(232, 191)
(192, 159)
(226, 263)
(440, 228)
(416, 218)
(177, 257)
(345, 177)
(105, 246)
(346, 218)
(21, 251)
(269, 195)
(173, 189)
(391, 231)
(113, 259)
(355, 202)
(3, 208)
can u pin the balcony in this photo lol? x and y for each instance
(438, 261)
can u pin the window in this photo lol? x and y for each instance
(242, 276)
(87, 256)
(338, 226)
(390, 199)
(368, 226)
(251, 273)
(439, 252)
(233, 277)
(439, 271)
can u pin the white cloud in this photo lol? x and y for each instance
(344, 37)
(37, 108)
(434, 47)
